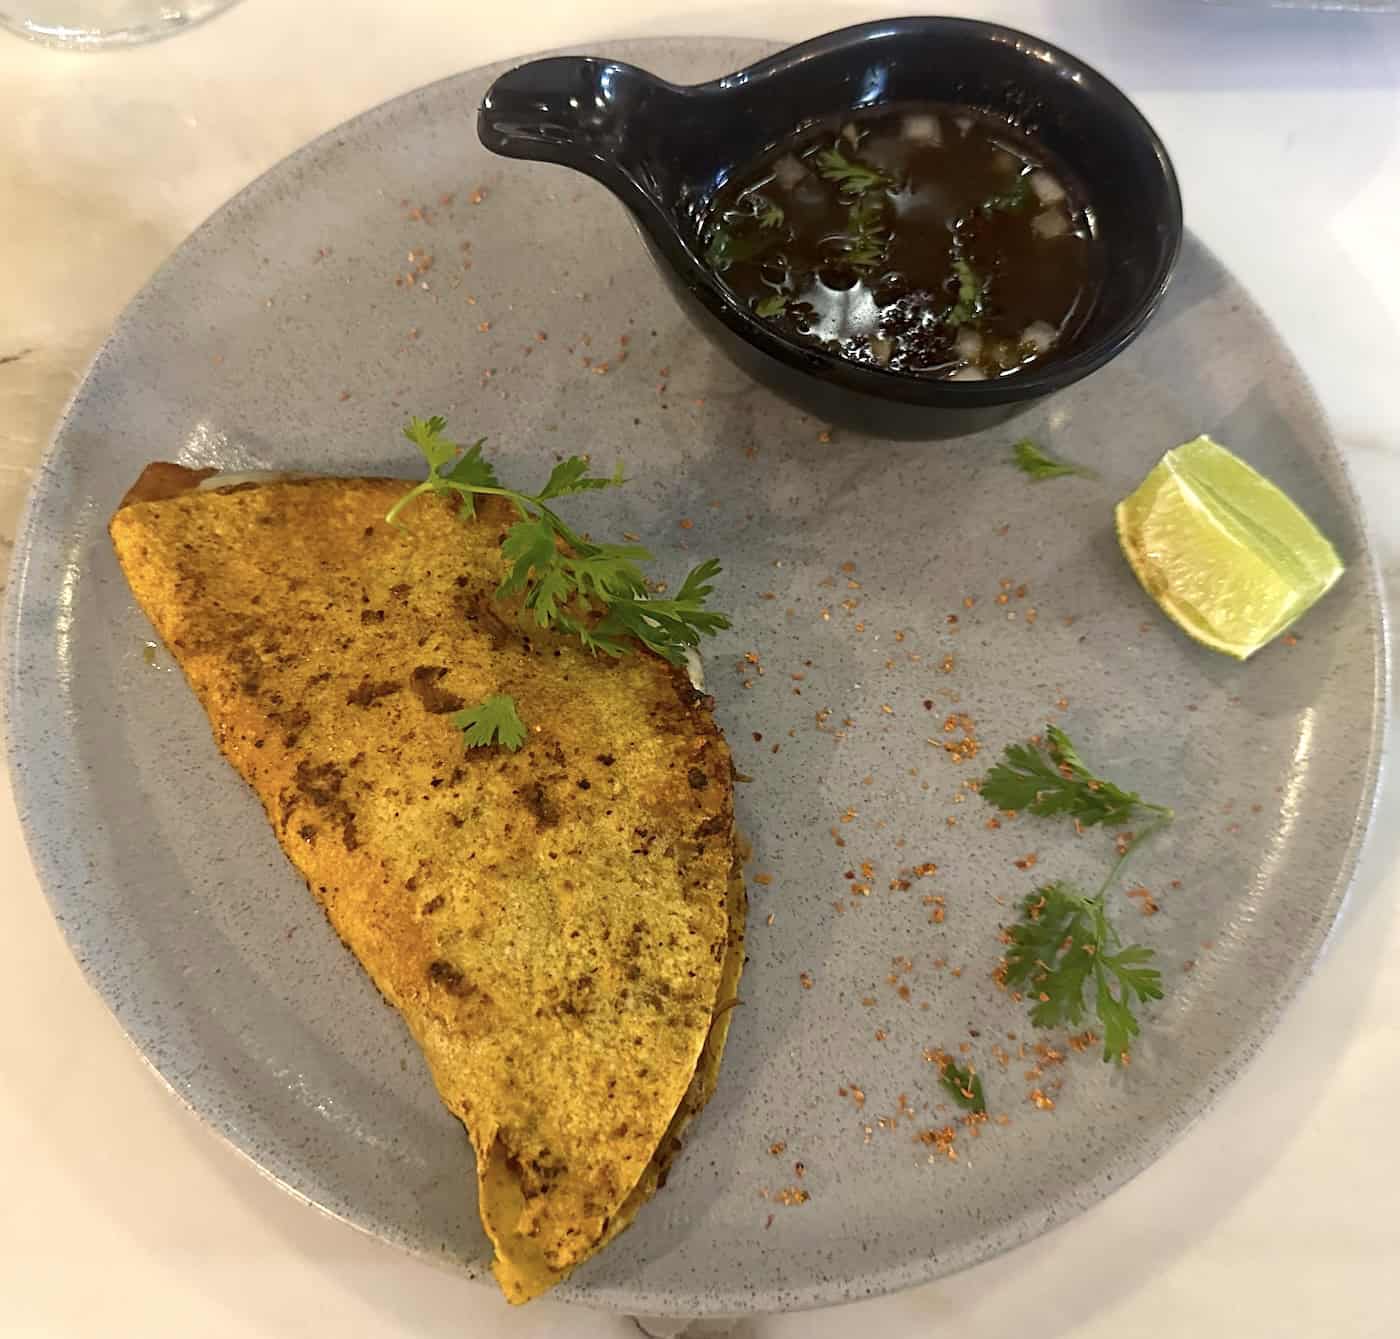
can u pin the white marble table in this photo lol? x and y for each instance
(1278, 1216)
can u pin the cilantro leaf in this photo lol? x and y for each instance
(426, 435)
(972, 294)
(1012, 201)
(771, 216)
(727, 248)
(964, 1086)
(867, 235)
(595, 592)
(571, 476)
(773, 305)
(853, 176)
(1040, 465)
(610, 571)
(529, 546)
(1055, 781)
(1063, 941)
(494, 721)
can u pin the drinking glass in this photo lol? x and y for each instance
(93, 25)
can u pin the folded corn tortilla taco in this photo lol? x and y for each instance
(561, 926)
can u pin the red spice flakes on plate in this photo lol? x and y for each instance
(478, 195)
(791, 1195)
(941, 1141)
(1041, 1100)
(1027, 861)
(763, 879)
(1147, 904)
(824, 436)
(777, 1149)
(806, 979)
(686, 523)
(880, 1034)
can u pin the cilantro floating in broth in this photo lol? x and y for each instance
(1012, 201)
(972, 294)
(859, 210)
(867, 237)
(853, 176)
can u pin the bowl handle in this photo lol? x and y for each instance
(599, 117)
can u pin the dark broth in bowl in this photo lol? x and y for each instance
(933, 240)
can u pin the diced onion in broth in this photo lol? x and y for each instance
(788, 171)
(1039, 335)
(1047, 190)
(882, 350)
(1050, 223)
(923, 129)
(968, 344)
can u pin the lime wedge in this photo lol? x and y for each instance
(1227, 556)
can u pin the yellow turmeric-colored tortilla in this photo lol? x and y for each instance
(561, 927)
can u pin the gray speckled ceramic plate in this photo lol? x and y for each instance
(284, 334)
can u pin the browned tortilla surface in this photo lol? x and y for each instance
(558, 925)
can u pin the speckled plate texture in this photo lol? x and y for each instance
(876, 590)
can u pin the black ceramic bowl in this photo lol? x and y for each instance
(664, 150)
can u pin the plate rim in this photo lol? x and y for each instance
(1310, 948)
